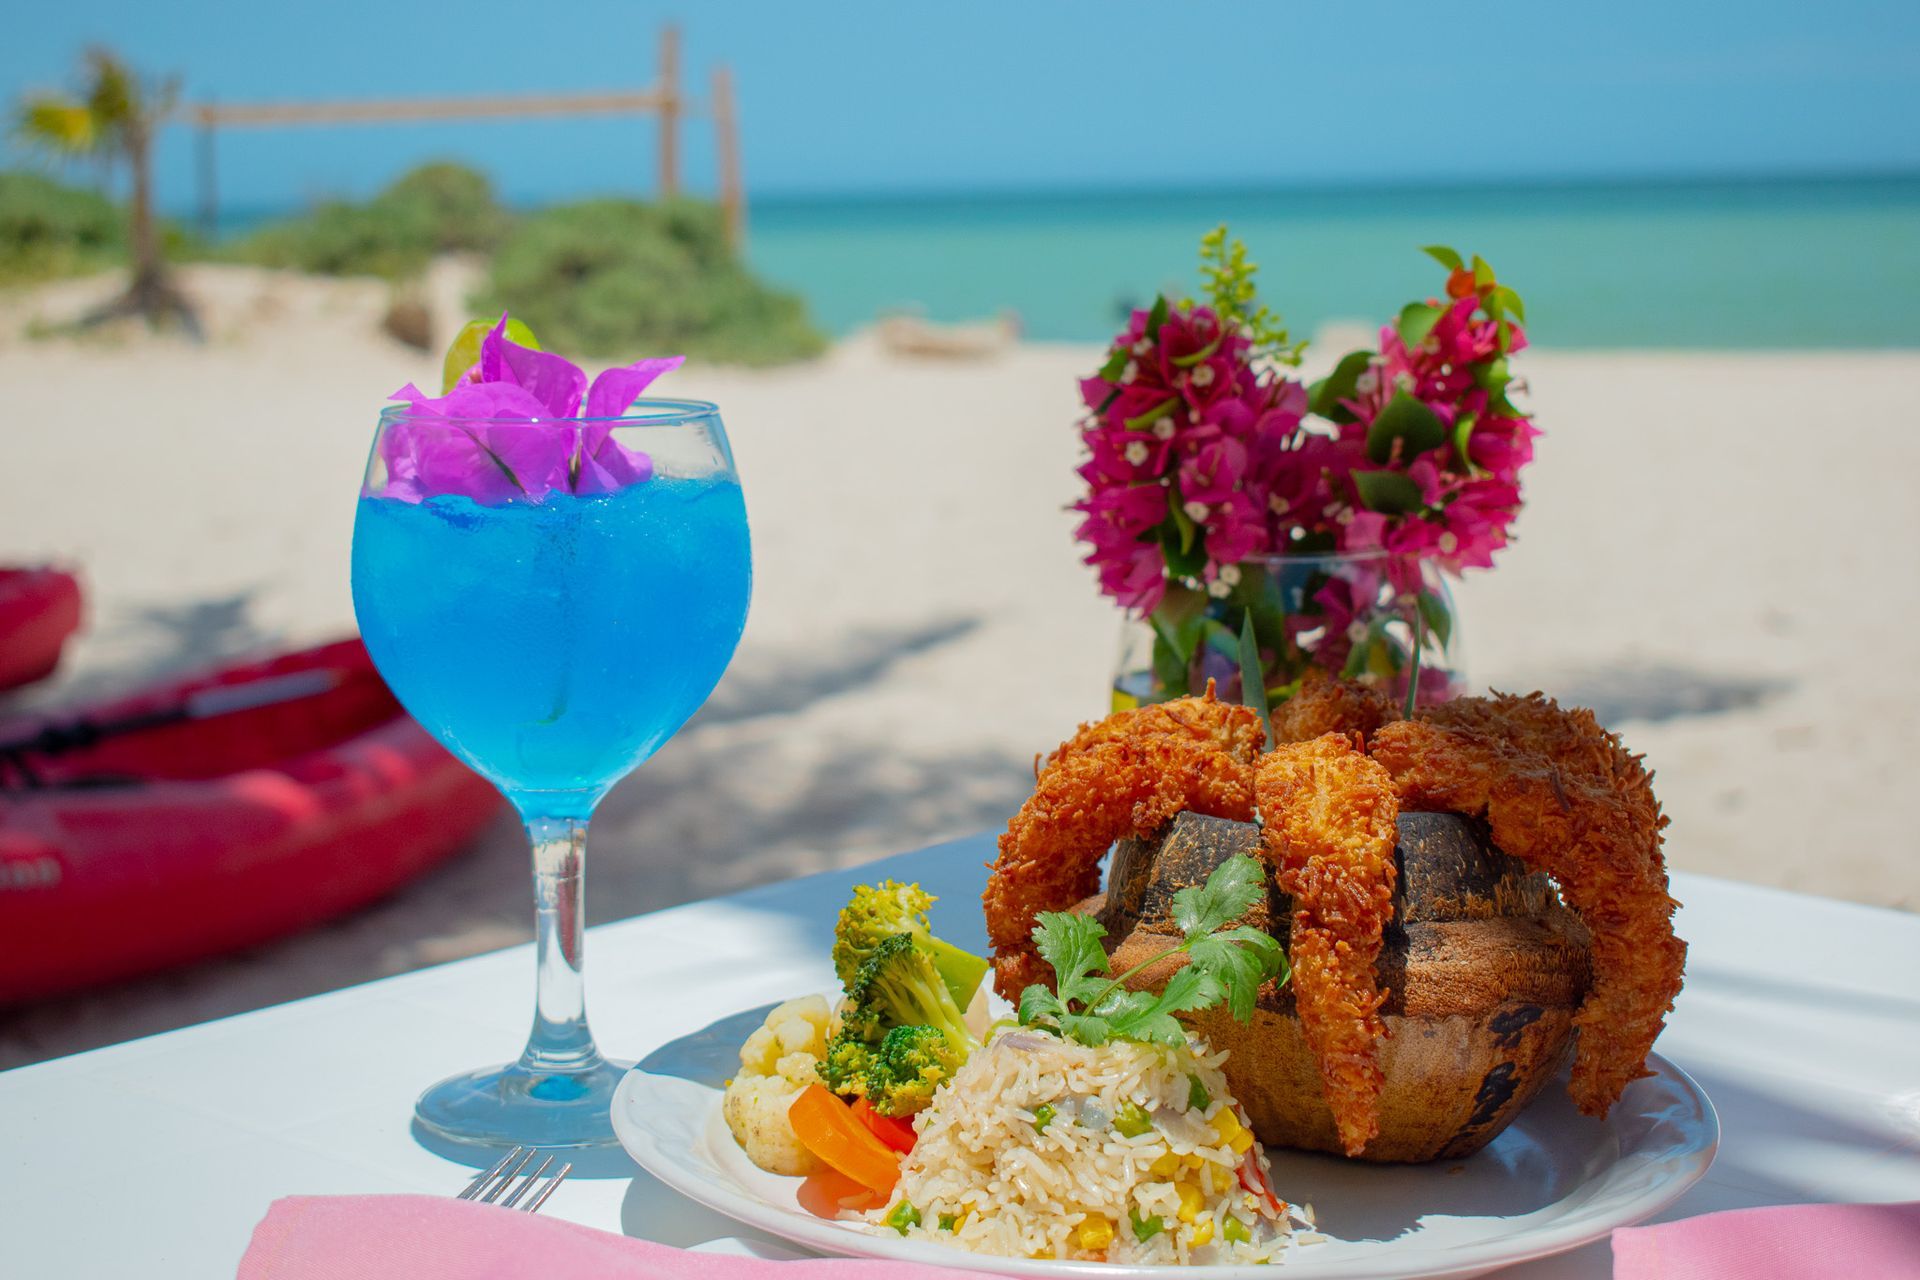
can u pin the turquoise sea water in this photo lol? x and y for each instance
(1725, 264)
(554, 646)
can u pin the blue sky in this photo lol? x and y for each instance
(900, 97)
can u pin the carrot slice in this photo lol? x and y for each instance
(897, 1134)
(827, 1193)
(827, 1127)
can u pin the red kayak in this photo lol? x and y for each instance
(216, 813)
(39, 609)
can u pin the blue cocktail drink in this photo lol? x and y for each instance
(554, 645)
(551, 597)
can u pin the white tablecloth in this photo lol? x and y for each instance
(1800, 1018)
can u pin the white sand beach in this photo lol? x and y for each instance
(1718, 554)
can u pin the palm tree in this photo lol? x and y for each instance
(113, 120)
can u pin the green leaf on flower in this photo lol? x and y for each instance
(1177, 512)
(1462, 437)
(1177, 621)
(1188, 561)
(1416, 322)
(1169, 668)
(1177, 626)
(1156, 317)
(1324, 396)
(1502, 302)
(1405, 418)
(1433, 611)
(1389, 492)
(1444, 256)
(1482, 273)
(1253, 681)
(1494, 377)
(1356, 660)
(1268, 612)
(1115, 366)
(1221, 638)
(1143, 421)
(1504, 332)
(1195, 357)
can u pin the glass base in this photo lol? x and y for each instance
(514, 1105)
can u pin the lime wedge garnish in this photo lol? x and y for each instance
(465, 351)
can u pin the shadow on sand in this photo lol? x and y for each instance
(1653, 692)
(697, 820)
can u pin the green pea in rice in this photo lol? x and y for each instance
(987, 1175)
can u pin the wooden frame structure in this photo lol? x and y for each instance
(665, 99)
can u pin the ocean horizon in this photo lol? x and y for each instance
(1713, 263)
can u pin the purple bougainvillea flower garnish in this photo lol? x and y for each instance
(511, 429)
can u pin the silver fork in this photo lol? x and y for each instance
(491, 1186)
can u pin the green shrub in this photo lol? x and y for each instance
(338, 239)
(431, 209)
(455, 206)
(621, 279)
(48, 229)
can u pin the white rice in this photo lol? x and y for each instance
(983, 1176)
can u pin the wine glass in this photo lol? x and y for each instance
(551, 600)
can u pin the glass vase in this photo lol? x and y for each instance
(1381, 619)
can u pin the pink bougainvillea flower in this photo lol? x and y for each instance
(1201, 454)
(615, 390)
(1236, 528)
(480, 440)
(555, 381)
(510, 429)
(1214, 471)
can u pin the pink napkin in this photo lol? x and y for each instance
(1784, 1242)
(440, 1238)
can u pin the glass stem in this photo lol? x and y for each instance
(561, 1042)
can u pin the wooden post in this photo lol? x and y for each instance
(726, 137)
(209, 184)
(669, 89)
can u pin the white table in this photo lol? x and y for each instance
(155, 1158)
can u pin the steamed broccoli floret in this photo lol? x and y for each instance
(898, 986)
(911, 1064)
(878, 912)
(847, 1062)
(902, 1034)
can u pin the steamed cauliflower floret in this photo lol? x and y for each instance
(798, 1026)
(777, 1061)
(756, 1110)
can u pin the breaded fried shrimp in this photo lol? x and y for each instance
(1561, 794)
(1082, 803)
(1329, 816)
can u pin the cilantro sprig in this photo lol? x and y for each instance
(1224, 965)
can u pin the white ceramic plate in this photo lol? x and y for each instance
(1553, 1181)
